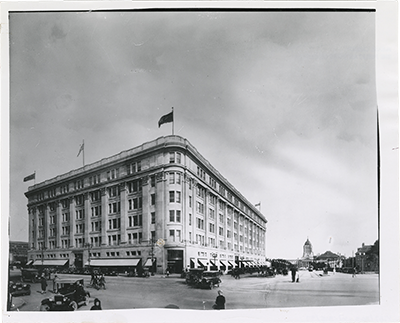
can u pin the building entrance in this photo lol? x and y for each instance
(78, 260)
(175, 261)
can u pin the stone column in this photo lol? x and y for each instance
(146, 201)
(124, 212)
(31, 239)
(72, 217)
(58, 223)
(104, 212)
(46, 225)
(86, 220)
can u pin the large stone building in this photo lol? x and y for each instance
(160, 204)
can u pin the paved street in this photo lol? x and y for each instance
(314, 289)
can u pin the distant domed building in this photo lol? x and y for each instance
(307, 250)
(308, 255)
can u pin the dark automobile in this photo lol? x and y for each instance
(29, 274)
(70, 295)
(19, 289)
(198, 277)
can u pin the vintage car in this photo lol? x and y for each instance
(19, 289)
(30, 274)
(198, 277)
(70, 295)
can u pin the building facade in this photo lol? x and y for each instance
(160, 204)
(18, 253)
(365, 260)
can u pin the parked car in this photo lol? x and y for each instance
(143, 272)
(30, 274)
(198, 277)
(19, 289)
(70, 295)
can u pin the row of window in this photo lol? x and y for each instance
(112, 174)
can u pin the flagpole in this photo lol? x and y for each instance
(173, 120)
(83, 152)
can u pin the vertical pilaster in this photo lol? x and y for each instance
(104, 212)
(58, 223)
(72, 217)
(86, 220)
(46, 225)
(124, 212)
(30, 228)
(146, 201)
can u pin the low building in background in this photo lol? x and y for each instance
(18, 253)
(331, 259)
(160, 205)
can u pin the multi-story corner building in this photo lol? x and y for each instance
(161, 204)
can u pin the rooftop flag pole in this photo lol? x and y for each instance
(82, 149)
(172, 121)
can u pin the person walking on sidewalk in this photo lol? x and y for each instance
(219, 301)
(43, 284)
(293, 270)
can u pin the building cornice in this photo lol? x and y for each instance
(161, 143)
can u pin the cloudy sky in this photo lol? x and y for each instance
(283, 104)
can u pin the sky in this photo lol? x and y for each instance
(282, 104)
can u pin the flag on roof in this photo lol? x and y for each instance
(81, 149)
(166, 118)
(30, 177)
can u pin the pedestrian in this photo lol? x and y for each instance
(293, 270)
(219, 301)
(102, 282)
(354, 272)
(167, 273)
(97, 305)
(55, 287)
(43, 284)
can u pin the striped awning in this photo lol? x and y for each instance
(203, 262)
(232, 263)
(148, 263)
(113, 262)
(50, 262)
(224, 263)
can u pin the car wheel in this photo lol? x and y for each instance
(45, 307)
(73, 305)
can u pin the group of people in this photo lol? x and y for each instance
(98, 281)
